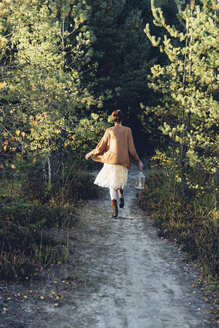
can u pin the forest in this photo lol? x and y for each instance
(65, 65)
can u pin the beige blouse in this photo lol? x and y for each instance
(116, 147)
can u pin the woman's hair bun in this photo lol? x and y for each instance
(117, 115)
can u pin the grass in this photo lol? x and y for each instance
(191, 221)
(28, 210)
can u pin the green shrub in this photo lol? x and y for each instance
(191, 222)
(29, 210)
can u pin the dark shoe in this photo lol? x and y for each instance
(121, 198)
(115, 208)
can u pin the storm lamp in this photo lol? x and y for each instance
(140, 182)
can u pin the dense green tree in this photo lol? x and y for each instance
(44, 56)
(62, 59)
(188, 108)
(124, 56)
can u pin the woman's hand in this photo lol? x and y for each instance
(140, 165)
(88, 155)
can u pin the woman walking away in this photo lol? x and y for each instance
(115, 150)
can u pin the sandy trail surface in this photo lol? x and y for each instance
(117, 274)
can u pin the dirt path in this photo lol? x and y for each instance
(117, 274)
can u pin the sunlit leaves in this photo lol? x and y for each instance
(47, 48)
(188, 107)
(85, 133)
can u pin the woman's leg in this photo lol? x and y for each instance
(113, 196)
(121, 197)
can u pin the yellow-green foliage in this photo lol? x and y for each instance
(188, 109)
(44, 49)
(181, 192)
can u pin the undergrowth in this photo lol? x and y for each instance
(190, 221)
(29, 209)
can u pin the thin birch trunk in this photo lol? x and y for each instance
(49, 168)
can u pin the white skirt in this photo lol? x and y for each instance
(112, 176)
